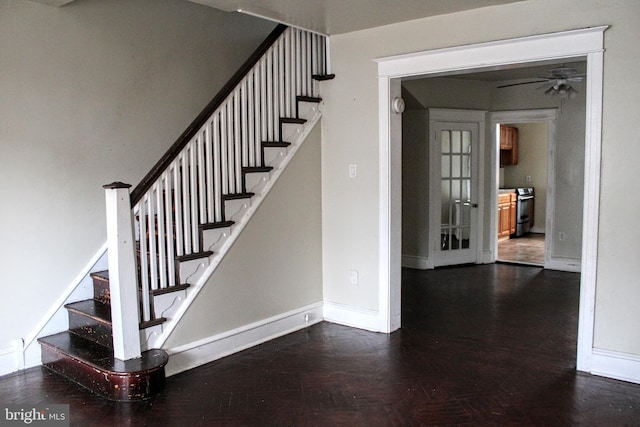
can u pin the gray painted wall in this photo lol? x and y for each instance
(350, 232)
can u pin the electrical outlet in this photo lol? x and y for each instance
(528, 178)
(353, 170)
(562, 236)
(354, 277)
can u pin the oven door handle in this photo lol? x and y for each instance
(525, 197)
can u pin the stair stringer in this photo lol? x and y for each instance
(173, 306)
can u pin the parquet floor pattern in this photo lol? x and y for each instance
(489, 345)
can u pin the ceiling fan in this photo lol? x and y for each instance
(557, 82)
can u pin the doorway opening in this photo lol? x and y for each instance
(577, 44)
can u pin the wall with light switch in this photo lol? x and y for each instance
(351, 209)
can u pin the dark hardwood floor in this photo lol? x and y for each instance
(489, 345)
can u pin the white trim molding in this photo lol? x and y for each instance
(215, 347)
(355, 317)
(587, 44)
(563, 264)
(11, 358)
(611, 364)
(417, 262)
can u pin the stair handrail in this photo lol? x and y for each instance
(187, 188)
(198, 122)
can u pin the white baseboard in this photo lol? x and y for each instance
(11, 358)
(619, 366)
(487, 257)
(352, 316)
(215, 347)
(563, 264)
(7, 361)
(417, 262)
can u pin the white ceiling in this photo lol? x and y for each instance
(342, 16)
(337, 16)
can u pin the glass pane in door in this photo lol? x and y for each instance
(455, 187)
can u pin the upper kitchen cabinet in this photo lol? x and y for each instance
(508, 145)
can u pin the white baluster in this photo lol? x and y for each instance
(177, 188)
(209, 175)
(153, 242)
(230, 149)
(244, 129)
(186, 196)
(251, 135)
(193, 198)
(168, 207)
(264, 134)
(217, 184)
(160, 236)
(237, 142)
(224, 167)
(143, 233)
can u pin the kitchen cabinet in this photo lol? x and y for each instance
(508, 145)
(506, 215)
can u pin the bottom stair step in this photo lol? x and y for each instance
(93, 366)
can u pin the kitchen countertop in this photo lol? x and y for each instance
(506, 190)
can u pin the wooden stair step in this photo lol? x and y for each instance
(93, 366)
(215, 225)
(275, 144)
(293, 120)
(194, 255)
(237, 196)
(308, 99)
(91, 319)
(323, 77)
(257, 169)
(101, 291)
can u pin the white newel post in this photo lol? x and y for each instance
(122, 272)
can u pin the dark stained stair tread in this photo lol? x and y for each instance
(214, 225)
(100, 275)
(93, 366)
(93, 309)
(293, 120)
(170, 289)
(308, 99)
(236, 196)
(195, 255)
(277, 144)
(101, 357)
(251, 169)
(323, 77)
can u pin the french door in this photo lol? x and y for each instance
(454, 185)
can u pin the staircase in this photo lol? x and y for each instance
(186, 213)
(84, 353)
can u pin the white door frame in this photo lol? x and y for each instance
(586, 44)
(550, 117)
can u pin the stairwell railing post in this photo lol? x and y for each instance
(122, 272)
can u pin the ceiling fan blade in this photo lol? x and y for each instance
(523, 83)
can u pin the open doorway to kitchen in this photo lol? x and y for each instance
(578, 45)
(522, 190)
